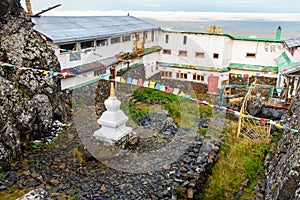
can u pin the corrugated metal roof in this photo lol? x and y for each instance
(78, 69)
(87, 67)
(294, 71)
(284, 63)
(109, 61)
(293, 42)
(70, 28)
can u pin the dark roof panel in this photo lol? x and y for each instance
(293, 42)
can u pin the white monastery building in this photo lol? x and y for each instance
(92, 45)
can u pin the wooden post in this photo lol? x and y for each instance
(287, 91)
(298, 84)
(28, 7)
(239, 126)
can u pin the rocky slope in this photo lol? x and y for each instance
(28, 99)
(75, 173)
(283, 168)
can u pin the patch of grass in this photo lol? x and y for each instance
(179, 192)
(137, 111)
(33, 145)
(66, 127)
(276, 136)
(79, 104)
(51, 144)
(237, 162)
(73, 197)
(78, 155)
(202, 131)
(24, 93)
(183, 111)
(205, 111)
(32, 161)
(12, 193)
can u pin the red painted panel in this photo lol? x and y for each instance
(213, 84)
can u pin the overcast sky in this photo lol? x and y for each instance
(256, 6)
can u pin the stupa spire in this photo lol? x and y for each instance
(112, 90)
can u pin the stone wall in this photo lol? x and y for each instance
(93, 94)
(188, 87)
(28, 99)
(283, 168)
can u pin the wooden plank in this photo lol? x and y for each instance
(236, 100)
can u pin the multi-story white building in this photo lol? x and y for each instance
(202, 57)
(89, 45)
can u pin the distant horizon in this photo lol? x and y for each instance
(182, 15)
(245, 6)
(235, 24)
(264, 29)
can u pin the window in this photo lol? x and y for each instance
(216, 55)
(167, 38)
(181, 75)
(152, 36)
(115, 40)
(100, 43)
(67, 47)
(99, 72)
(136, 36)
(74, 56)
(250, 55)
(199, 55)
(184, 39)
(87, 44)
(182, 53)
(292, 50)
(145, 35)
(167, 51)
(166, 74)
(198, 77)
(126, 38)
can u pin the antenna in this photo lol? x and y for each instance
(46, 10)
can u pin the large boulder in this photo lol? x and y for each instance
(272, 113)
(37, 194)
(254, 105)
(28, 99)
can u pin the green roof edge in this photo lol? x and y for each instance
(225, 34)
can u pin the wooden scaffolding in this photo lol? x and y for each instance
(251, 128)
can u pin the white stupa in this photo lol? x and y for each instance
(112, 121)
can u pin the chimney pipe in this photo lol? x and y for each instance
(278, 33)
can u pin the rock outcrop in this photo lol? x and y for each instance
(28, 99)
(283, 169)
(37, 194)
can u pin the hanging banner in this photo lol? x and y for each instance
(134, 81)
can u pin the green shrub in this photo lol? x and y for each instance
(33, 145)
